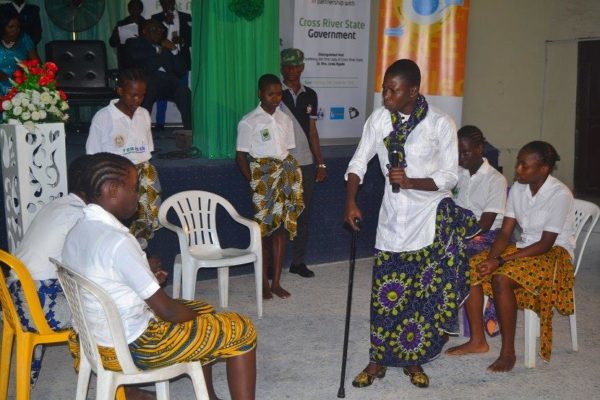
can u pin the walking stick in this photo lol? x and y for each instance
(341, 392)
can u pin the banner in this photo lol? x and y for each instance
(434, 35)
(334, 36)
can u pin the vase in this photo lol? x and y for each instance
(34, 172)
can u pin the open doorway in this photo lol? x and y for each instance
(587, 121)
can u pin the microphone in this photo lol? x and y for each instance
(394, 158)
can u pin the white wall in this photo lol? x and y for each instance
(521, 76)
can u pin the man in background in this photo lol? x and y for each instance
(301, 104)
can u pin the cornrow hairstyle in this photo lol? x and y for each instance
(103, 168)
(407, 69)
(545, 151)
(268, 79)
(471, 133)
(130, 75)
(76, 173)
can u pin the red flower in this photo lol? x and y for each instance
(50, 66)
(19, 79)
(35, 70)
(18, 73)
(62, 95)
(44, 81)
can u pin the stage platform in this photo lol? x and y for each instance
(329, 239)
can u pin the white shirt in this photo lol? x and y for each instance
(551, 210)
(114, 132)
(46, 235)
(263, 135)
(173, 30)
(102, 249)
(407, 218)
(484, 191)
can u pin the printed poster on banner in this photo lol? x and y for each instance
(434, 35)
(334, 36)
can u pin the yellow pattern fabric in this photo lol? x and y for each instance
(145, 221)
(210, 336)
(277, 194)
(546, 282)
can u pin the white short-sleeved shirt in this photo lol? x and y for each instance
(484, 191)
(114, 132)
(407, 218)
(46, 235)
(265, 135)
(102, 249)
(551, 210)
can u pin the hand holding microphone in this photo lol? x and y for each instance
(394, 158)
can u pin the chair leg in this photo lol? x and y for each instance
(531, 320)
(223, 277)
(8, 337)
(23, 371)
(573, 323)
(120, 393)
(162, 390)
(83, 376)
(197, 377)
(188, 282)
(177, 276)
(106, 387)
(258, 284)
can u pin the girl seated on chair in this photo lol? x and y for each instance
(160, 331)
(537, 273)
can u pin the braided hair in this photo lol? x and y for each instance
(472, 133)
(103, 168)
(130, 75)
(545, 151)
(76, 174)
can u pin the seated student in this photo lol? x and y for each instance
(39, 243)
(264, 137)
(160, 331)
(519, 276)
(482, 190)
(123, 128)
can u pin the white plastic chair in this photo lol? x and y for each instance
(584, 211)
(107, 383)
(199, 243)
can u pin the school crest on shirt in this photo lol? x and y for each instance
(309, 109)
(119, 141)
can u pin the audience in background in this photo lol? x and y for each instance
(178, 27)
(151, 52)
(14, 45)
(135, 9)
(29, 16)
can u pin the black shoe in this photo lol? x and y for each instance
(302, 270)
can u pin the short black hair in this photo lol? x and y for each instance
(102, 168)
(546, 153)
(407, 69)
(266, 80)
(130, 75)
(471, 133)
(8, 15)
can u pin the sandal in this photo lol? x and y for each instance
(365, 379)
(417, 378)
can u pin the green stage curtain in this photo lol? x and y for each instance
(229, 55)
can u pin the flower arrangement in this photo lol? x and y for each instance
(34, 97)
